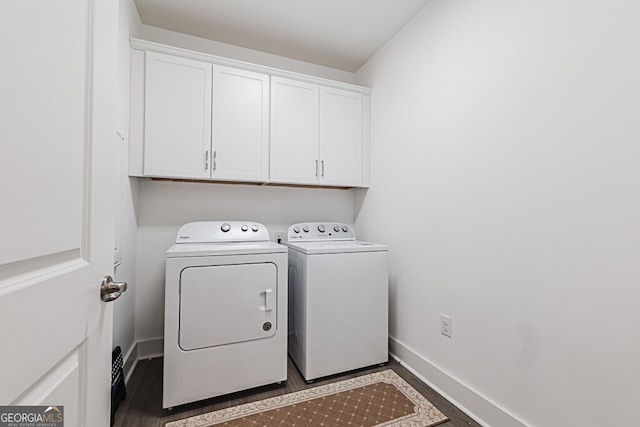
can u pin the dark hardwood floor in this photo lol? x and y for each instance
(143, 405)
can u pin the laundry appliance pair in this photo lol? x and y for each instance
(226, 291)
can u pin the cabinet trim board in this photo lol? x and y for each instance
(366, 138)
(136, 112)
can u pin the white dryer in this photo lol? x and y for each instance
(338, 300)
(225, 311)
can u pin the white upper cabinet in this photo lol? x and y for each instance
(195, 131)
(201, 117)
(177, 117)
(294, 132)
(316, 134)
(340, 148)
(240, 142)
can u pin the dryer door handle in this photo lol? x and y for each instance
(269, 299)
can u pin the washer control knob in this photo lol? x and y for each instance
(305, 228)
(254, 228)
(321, 228)
(296, 229)
(225, 227)
(345, 228)
(336, 228)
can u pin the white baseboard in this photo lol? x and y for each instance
(466, 399)
(150, 348)
(144, 349)
(130, 362)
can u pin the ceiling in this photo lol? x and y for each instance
(340, 34)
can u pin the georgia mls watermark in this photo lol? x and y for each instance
(31, 416)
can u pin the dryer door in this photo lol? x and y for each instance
(226, 304)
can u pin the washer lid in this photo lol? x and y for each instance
(336, 247)
(236, 248)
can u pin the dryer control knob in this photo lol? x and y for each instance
(225, 227)
(321, 228)
(296, 229)
(305, 229)
(244, 227)
(336, 228)
(255, 228)
(344, 228)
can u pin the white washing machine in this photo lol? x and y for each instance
(225, 319)
(338, 300)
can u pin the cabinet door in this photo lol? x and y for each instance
(294, 132)
(240, 141)
(340, 137)
(177, 117)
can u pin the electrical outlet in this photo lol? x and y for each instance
(278, 236)
(445, 325)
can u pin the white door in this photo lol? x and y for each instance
(177, 129)
(294, 132)
(240, 140)
(57, 133)
(340, 137)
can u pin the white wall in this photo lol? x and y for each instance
(164, 206)
(124, 316)
(172, 38)
(157, 209)
(505, 147)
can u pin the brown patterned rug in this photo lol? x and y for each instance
(379, 399)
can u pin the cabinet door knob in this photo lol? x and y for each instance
(316, 168)
(322, 168)
(206, 160)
